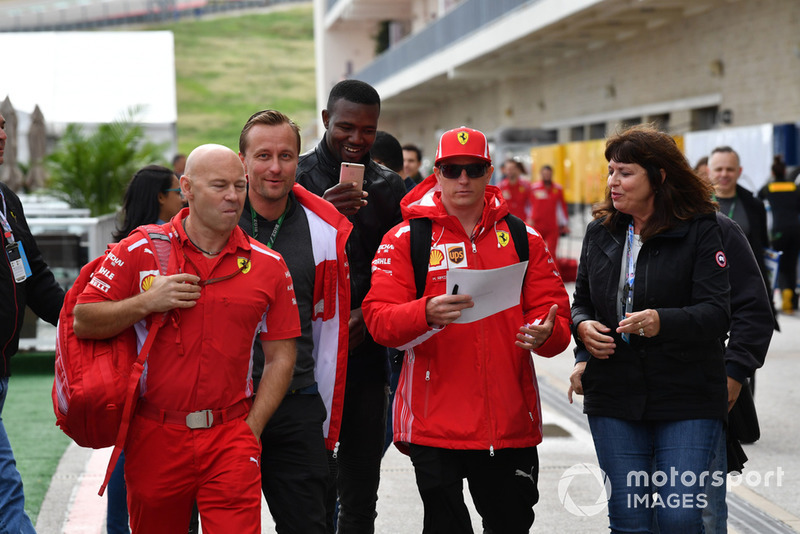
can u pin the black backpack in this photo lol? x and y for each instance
(422, 229)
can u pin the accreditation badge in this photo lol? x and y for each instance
(19, 262)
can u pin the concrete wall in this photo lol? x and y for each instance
(746, 55)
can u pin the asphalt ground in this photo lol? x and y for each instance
(763, 500)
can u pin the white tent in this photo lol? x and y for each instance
(91, 78)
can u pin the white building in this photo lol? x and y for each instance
(542, 71)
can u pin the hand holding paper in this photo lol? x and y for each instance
(447, 308)
(492, 290)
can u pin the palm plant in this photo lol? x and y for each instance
(93, 171)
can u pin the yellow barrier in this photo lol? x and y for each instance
(580, 167)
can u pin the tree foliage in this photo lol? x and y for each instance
(92, 171)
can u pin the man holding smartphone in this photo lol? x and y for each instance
(351, 123)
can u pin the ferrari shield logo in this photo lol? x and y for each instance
(463, 137)
(502, 237)
(243, 264)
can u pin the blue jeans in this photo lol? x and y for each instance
(13, 519)
(715, 516)
(117, 509)
(681, 451)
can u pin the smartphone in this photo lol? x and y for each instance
(352, 172)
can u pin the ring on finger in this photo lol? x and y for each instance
(641, 332)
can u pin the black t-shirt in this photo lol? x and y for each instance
(293, 241)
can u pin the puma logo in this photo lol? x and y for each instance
(255, 461)
(521, 473)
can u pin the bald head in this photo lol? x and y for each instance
(215, 186)
(205, 158)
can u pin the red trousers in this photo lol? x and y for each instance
(550, 234)
(169, 467)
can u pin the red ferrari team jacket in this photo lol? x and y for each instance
(464, 386)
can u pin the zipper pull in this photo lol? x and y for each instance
(335, 450)
(427, 376)
(474, 250)
(491, 451)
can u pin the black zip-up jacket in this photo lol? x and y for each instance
(40, 291)
(751, 312)
(683, 275)
(757, 235)
(318, 171)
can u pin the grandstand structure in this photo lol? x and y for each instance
(557, 72)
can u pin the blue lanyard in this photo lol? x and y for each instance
(631, 265)
(629, 279)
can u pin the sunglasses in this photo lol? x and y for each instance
(175, 190)
(452, 171)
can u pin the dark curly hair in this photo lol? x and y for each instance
(679, 196)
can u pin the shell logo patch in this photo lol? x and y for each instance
(244, 264)
(455, 254)
(146, 279)
(147, 282)
(463, 137)
(502, 237)
(722, 261)
(437, 256)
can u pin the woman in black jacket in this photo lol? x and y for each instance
(651, 304)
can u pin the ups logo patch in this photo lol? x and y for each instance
(455, 254)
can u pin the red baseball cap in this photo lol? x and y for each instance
(463, 141)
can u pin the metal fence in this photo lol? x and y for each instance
(70, 15)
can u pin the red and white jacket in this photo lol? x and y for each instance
(329, 232)
(464, 386)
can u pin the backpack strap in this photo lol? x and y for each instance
(162, 247)
(420, 236)
(519, 234)
(130, 398)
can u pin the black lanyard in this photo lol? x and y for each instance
(8, 233)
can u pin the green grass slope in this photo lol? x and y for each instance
(228, 68)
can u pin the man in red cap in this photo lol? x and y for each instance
(467, 403)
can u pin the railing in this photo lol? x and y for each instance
(80, 15)
(469, 16)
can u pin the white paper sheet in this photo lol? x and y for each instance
(492, 290)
